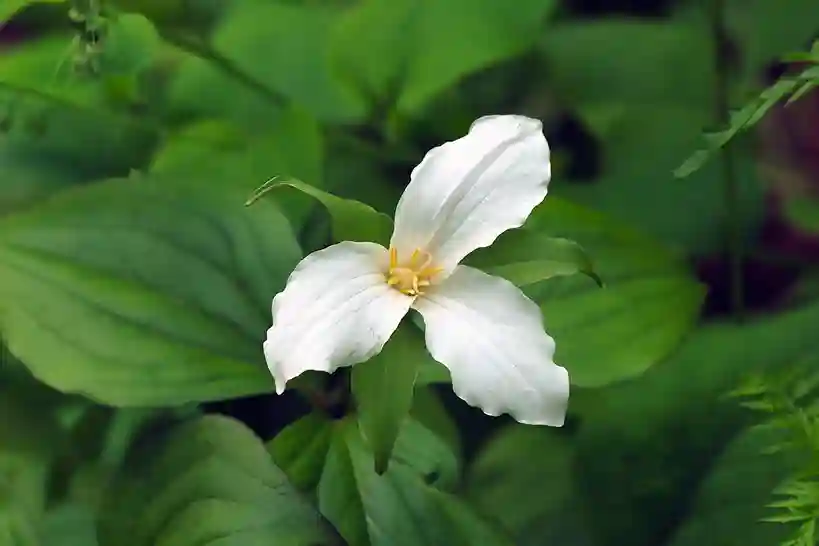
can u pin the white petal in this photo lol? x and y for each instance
(491, 338)
(467, 192)
(336, 310)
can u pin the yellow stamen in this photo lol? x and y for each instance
(411, 277)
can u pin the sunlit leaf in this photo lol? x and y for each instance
(525, 257)
(648, 304)
(131, 44)
(408, 51)
(260, 38)
(352, 220)
(146, 291)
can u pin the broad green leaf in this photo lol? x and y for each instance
(641, 146)
(383, 388)
(29, 438)
(29, 177)
(99, 438)
(647, 108)
(60, 118)
(8, 8)
(525, 257)
(198, 15)
(290, 146)
(69, 525)
(408, 51)
(429, 411)
(208, 481)
(733, 499)
(147, 291)
(668, 424)
(648, 304)
(353, 174)
(525, 478)
(401, 507)
(766, 31)
(132, 44)
(259, 37)
(607, 60)
(351, 220)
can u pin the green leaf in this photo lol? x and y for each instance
(10, 7)
(259, 38)
(803, 212)
(749, 115)
(641, 145)
(147, 291)
(645, 117)
(28, 178)
(29, 438)
(669, 423)
(766, 31)
(69, 525)
(411, 50)
(209, 481)
(290, 146)
(649, 303)
(733, 499)
(58, 118)
(429, 411)
(383, 388)
(132, 44)
(401, 507)
(602, 61)
(525, 257)
(524, 477)
(352, 220)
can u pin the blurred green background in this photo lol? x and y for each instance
(129, 304)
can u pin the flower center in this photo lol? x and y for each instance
(411, 278)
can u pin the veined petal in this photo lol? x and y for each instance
(335, 311)
(467, 192)
(491, 338)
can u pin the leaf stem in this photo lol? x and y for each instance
(202, 50)
(722, 65)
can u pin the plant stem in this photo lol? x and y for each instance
(722, 64)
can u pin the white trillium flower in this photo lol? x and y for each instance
(341, 304)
